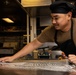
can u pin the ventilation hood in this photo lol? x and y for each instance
(37, 8)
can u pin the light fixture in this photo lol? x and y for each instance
(8, 20)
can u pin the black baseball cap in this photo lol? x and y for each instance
(61, 7)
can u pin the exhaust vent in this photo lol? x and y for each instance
(33, 3)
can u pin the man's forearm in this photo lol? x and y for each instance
(27, 49)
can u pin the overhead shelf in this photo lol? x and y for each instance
(37, 8)
(35, 3)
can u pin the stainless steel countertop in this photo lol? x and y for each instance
(30, 72)
(7, 71)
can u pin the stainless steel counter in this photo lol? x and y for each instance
(30, 72)
(5, 70)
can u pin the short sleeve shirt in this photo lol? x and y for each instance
(48, 34)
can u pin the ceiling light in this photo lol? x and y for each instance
(8, 20)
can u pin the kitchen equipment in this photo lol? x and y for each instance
(55, 54)
(35, 54)
(43, 53)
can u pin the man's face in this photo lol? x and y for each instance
(60, 21)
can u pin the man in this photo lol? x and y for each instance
(62, 31)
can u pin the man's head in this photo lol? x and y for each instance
(61, 13)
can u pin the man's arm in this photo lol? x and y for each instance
(27, 49)
(24, 51)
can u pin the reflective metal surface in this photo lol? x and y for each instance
(37, 68)
(30, 72)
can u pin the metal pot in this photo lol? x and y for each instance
(56, 54)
